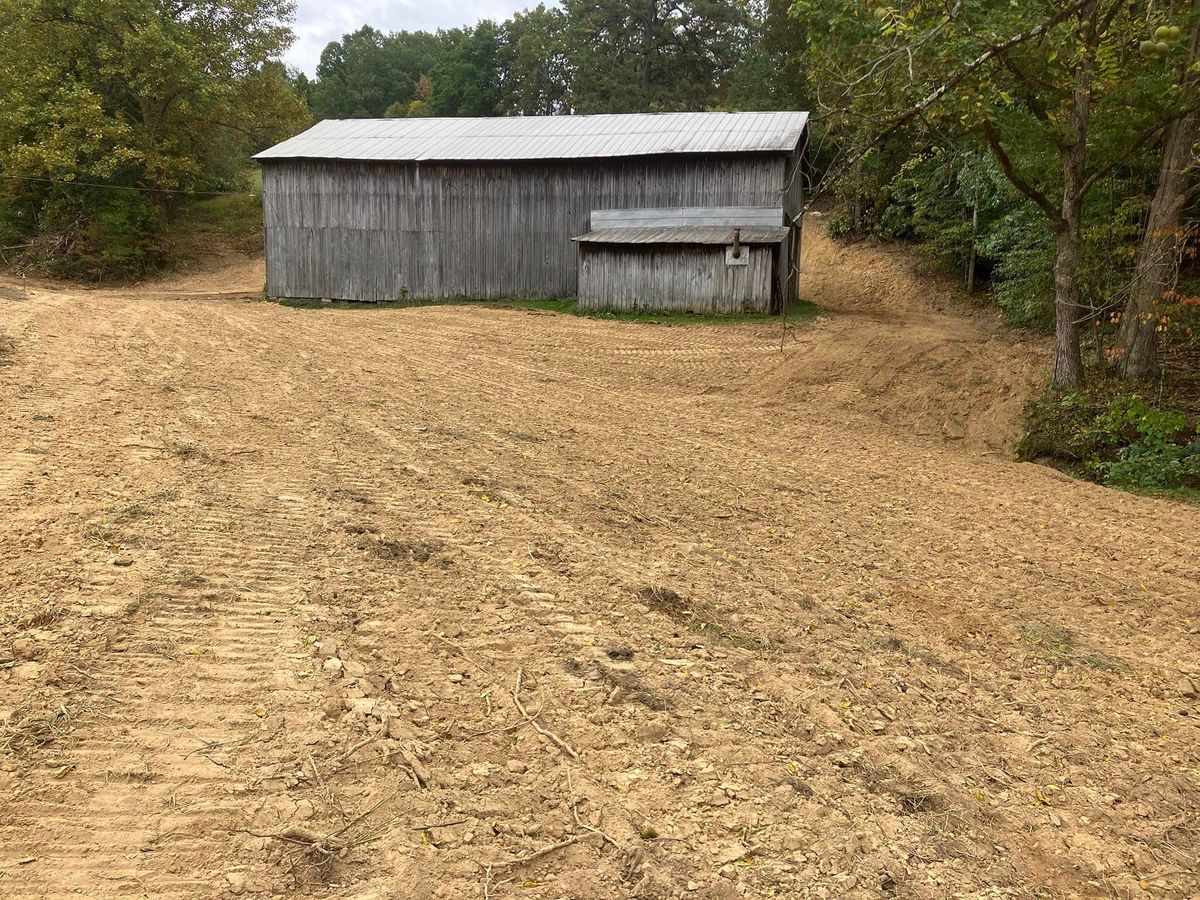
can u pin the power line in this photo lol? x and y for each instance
(125, 187)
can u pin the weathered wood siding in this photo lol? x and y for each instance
(793, 208)
(679, 277)
(378, 231)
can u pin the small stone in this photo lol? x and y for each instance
(792, 840)
(516, 767)
(718, 798)
(304, 810)
(122, 560)
(28, 671)
(327, 649)
(1185, 686)
(354, 669)
(23, 648)
(333, 664)
(364, 705)
(332, 708)
(456, 678)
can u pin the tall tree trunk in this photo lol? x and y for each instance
(1136, 351)
(1068, 313)
(1068, 358)
(649, 23)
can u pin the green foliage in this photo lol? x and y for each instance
(611, 56)
(1020, 247)
(535, 72)
(236, 219)
(144, 100)
(367, 73)
(101, 235)
(651, 55)
(466, 76)
(1116, 438)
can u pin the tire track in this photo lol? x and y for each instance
(197, 694)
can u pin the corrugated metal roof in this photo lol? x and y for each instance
(684, 234)
(545, 137)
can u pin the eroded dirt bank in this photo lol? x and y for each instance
(274, 582)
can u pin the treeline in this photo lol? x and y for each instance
(1046, 150)
(587, 57)
(119, 114)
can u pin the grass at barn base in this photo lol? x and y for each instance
(797, 311)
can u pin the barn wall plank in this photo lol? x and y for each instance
(384, 230)
(680, 278)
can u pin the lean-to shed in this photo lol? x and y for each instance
(718, 260)
(379, 209)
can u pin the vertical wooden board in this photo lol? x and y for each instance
(473, 230)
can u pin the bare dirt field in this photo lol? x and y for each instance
(477, 603)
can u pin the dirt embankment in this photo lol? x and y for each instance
(455, 602)
(907, 345)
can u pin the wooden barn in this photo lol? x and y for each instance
(550, 206)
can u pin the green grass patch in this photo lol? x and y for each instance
(801, 310)
(237, 218)
(1056, 645)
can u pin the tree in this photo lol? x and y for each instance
(651, 55)
(114, 110)
(419, 106)
(1050, 87)
(367, 72)
(1136, 350)
(770, 72)
(466, 75)
(146, 93)
(533, 63)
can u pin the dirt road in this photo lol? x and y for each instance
(471, 603)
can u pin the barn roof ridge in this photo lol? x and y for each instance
(512, 138)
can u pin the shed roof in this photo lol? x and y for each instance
(684, 234)
(544, 137)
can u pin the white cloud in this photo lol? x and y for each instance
(320, 21)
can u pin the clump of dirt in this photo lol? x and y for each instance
(35, 725)
(699, 618)
(623, 682)
(415, 550)
(527, 436)
(894, 644)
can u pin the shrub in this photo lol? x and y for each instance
(101, 235)
(237, 218)
(1121, 440)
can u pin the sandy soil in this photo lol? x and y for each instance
(473, 603)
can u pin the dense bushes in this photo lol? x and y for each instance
(1118, 439)
(99, 235)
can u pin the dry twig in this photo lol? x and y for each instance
(545, 732)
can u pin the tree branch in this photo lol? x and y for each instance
(1018, 182)
(982, 59)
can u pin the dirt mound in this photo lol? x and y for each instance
(906, 346)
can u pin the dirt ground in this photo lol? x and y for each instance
(476, 603)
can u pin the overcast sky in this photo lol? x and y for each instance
(320, 21)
